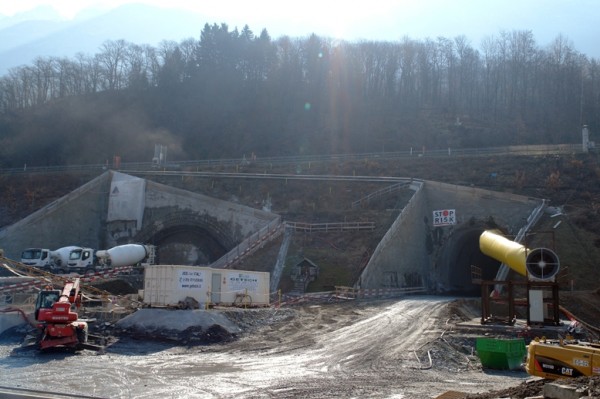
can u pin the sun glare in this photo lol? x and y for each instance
(66, 8)
(333, 18)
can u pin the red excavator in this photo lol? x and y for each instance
(58, 323)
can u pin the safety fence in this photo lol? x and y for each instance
(248, 299)
(25, 300)
(22, 286)
(36, 283)
(349, 293)
(542, 149)
(250, 245)
(379, 193)
(105, 274)
(330, 227)
(41, 278)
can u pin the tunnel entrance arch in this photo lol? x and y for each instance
(186, 245)
(186, 238)
(457, 255)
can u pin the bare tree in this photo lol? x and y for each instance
(112, 59)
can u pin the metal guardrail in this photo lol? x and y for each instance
(542, 149)
(349, 293)
(250, 244)
(379, 193)
(328, 227)
(274, 229)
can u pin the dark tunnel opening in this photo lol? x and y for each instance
(186, 245)
(459, 253)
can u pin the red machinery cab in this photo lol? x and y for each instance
(59, 324)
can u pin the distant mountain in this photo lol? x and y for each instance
(46, 13)
(25, 32)
(43, 33)
(24, 40)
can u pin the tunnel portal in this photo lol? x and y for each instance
(185, 238)
(186, 245)
(457, 255)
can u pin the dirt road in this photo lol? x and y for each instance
(392, 349)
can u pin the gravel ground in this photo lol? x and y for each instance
(406, 348)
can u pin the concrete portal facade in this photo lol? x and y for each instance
(417, 251)
(113, 209)
(420, 249)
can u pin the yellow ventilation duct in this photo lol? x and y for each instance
(539, 263)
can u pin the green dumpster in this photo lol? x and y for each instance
(501, 354)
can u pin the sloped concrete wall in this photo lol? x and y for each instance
(399, 258)
(78, 218)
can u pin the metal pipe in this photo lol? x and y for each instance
(511, 253)
(538, 264)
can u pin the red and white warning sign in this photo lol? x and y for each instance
(444, 217)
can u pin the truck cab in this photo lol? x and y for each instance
(82, 259)
(74, 259)
(37, 257)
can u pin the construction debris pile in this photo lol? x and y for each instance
(191, 328)
(191, 336)
(585, 387)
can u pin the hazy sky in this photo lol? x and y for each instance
(381, 19)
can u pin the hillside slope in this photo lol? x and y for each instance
(570, 183)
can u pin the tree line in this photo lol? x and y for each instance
(232, 92)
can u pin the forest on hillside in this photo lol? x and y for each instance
(233, 93)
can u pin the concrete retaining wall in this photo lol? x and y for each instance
(399, 257)
(78, 218)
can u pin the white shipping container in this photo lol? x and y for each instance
(167, 285)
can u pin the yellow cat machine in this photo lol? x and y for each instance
(562, 358)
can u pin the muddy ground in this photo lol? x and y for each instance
(404, 348)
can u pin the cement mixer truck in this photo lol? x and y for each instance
(84, 260)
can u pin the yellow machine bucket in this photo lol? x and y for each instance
(511, 253)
